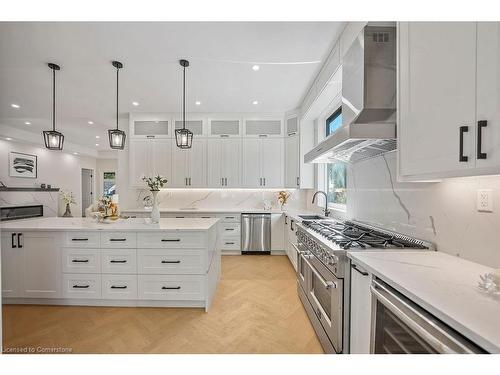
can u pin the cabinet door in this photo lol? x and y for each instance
(272, 162)
(214, 162)
(252, 176)
(488, 92)
(180, 166)
(231, 162)
(277, 232)
(292, 162)
(437, 89)
(40, 265)
(10, 266)
(360, 311)
(161, 159)
(139, 161)
(197, 164)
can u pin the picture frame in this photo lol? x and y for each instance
(23, 165)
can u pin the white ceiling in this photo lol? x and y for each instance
(221, 54)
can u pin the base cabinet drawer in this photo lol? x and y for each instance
(229, 229)
(118, 240)
(230, 218)
(75, 260)
(82, 239)
(81, 286)
(171, 261)
(230, 243)
(123, 261)
(171, 240)
(119, 286)
(171, 287)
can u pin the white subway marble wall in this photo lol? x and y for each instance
(442, 212)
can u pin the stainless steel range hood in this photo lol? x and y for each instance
(368, 100)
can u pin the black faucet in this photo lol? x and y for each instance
(325, 210)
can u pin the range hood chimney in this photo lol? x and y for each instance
(368, 100)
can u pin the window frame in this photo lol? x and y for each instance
(333, 116)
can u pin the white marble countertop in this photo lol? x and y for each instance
(139, 224)
(444, 285)
(202, 210)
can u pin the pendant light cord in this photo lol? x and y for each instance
(117, 72)
(53, 99)
(184, 98)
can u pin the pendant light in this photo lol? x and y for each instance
(52, 138)
(117, 136)
(184, 137)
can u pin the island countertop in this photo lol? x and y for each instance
(87, 224)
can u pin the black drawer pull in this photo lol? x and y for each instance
(206, 217)
(353, 266)
(461, 157)
(118, 287)
(170, 287)
(480, 125)
(170, 261)
(117, 239)
(173, 240)
(79, 239)
(229, 243)
(81, 286)
(180, 217)
(230, 217)
(229, 229)
(117, 261)
(79, 261)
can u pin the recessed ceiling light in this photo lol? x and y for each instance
(135, 103)
(97, 137)
(197, 102)
(90, 122)
(97, 144)
(255, 102)
(27, 123)
(255, 68)
(16, 106)
(75, 153)
(9, 139)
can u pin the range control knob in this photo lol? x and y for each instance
(333, 260)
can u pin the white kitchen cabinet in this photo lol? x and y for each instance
(361, 304)
(150, 157)
(263, 162)
(258, 127)
(224, 162)
(290, 240)
(150, 125)
(31, 265)
(437, 96)
(292, 162)
(189, 165)
(277, 232)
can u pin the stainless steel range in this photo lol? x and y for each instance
(324, 272)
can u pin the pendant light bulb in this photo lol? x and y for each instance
(53, 139)
(116, 136)
(184, 137)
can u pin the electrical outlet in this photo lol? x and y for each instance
(485, 200)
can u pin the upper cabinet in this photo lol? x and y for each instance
(224, 162)
(292, 162)
(224, 128)
(448, 87)
(263, 163)
(189, 165)
(150, 125)
(263, 127)
(196, 126)
(291, 126)
(149, 157)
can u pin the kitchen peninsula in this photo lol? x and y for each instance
(130, 262)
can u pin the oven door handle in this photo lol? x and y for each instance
(326, 284)
(417, 321)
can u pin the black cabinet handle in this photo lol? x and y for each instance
(291, 225)
(206, 217)
(354, 267)
(173, 240)
(229, 229)
(170, 261)
(298, 181)
(80, 261)
(170, 287)
(286, 223)
(79, 239)
(81, 286)
(480, 125)
(117, 261)
(462, 158)
(118, 287)
(13, 241)
(118, 239)
(19, 235)
(228, 243)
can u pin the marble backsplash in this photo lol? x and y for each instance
(443, 212)
(219, 199)
(49, 200)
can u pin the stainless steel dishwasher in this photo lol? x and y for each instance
(255, 233)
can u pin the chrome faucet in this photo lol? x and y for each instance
(325, 210)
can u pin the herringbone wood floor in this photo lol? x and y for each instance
(256, 310)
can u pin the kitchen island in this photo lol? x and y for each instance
(132, 262)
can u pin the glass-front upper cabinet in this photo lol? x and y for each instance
(150, 125)
(263, 127)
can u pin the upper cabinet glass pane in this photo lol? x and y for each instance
(257, 127)
(196, 126)
(150, 127)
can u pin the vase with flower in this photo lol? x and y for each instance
(283, 198)
(155, 183)
(68, 198)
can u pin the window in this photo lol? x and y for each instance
(334, 122)
(109, 184)
(336, 173)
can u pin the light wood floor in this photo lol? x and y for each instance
(256, 310)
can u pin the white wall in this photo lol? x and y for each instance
(59, 169)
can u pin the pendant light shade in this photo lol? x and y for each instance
(184, 137)
(53, 139)
(117, 136)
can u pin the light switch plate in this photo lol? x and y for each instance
(485, 200)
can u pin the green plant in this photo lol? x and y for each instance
(155, 183)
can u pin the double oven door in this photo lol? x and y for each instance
(324, 292)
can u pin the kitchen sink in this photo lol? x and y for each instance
(311, 217)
